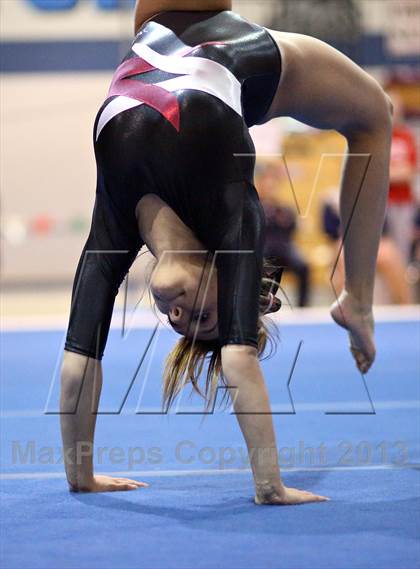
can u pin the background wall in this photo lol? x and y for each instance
(57, 58)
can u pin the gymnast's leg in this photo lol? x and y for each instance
(362, 208)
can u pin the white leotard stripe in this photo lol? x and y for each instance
(201, 74)
(116, 106)
(225, 83)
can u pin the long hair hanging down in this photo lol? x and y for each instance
(186, 361)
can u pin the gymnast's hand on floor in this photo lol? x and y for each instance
(286, 497)
(358, 321)
(102, 483)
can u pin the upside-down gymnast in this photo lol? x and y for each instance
(175, 166)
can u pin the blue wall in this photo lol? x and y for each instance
(89, 55)
(58, 5)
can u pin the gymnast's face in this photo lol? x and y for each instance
(179, 290)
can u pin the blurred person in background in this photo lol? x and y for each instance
(280, 231)
(413, 271)
(403, 164)
(390, 265)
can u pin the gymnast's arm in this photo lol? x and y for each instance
(99, 275)
(323, 88)
(239, 280)
(81, 384)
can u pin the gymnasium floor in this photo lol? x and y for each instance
(357, 443)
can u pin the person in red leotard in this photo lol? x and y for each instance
(401, 202)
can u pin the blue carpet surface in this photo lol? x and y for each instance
(198, 510)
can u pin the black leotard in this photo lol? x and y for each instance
(175, 124)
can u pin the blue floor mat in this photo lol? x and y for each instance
(198, 510)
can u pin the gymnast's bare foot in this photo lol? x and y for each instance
(358, 321)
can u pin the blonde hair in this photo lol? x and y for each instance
(186, 361)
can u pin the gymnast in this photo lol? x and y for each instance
(175, 165)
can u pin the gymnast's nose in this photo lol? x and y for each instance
(175, 314)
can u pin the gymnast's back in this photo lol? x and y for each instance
(245, 50)
(179, 107)
(175, 124)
